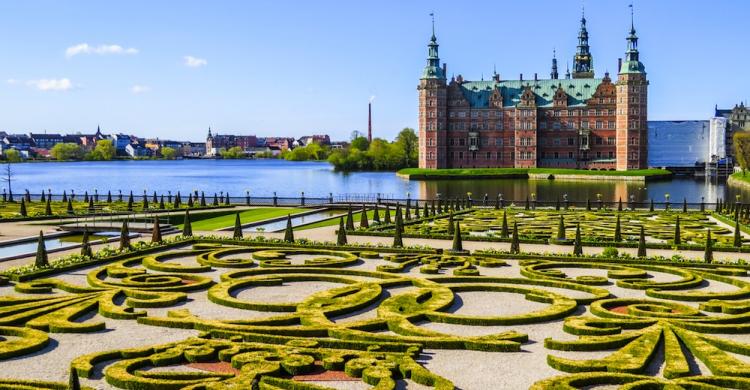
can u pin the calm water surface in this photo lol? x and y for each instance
(289, 179)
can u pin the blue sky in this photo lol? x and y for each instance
(300, 67)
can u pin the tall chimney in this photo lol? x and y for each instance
(369, 122)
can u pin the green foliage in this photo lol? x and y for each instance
(124, 236)
(457, 243)
(232, 153)
(156, 231)
(741, 141)
(642, 243)
(168, 153)
(577, 247)
(103, 151)
(67, 151)
(379, 155)
(289, 231)
(12, 155)
(312, 151)
(85, 245)
(41, 259)
(341, 233)
(515, 245)
(237, 232)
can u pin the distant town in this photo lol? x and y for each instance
(43, 146)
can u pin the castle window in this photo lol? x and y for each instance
(557, 141)
(612, 125)
(557, 112)
(452, 114)
(453, 155)
(499, 126)
(611, 154)
(571, 113)
(543, 125)
(460, 155)
(570, 154)
(598, 154)
(453, 141)
(632, 141)
(461, 142)
(485, 141)
(499, 114)
(473, 125)
(462, 114)
(556, 125)
(485, 114)
(599, 124)
(488, 155)
(571, 141)
(475, 114)
(499, 155)
(473, 155)
(498, 142)
(556, 155)
(610, 140)
(592, 112)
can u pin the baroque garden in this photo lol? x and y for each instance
(415, 294)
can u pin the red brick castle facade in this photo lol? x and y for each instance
(578, 121)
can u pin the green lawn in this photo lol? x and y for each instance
(357, 216)
(418, 173)
(741, 177)
(247, 216)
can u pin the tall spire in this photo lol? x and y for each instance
(209, 132)
(433, 69)
(553, 75)
(567, 70)
(583, 66)
(632, 63)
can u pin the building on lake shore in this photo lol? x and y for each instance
(577, 121)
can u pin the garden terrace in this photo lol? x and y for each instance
(207, 312)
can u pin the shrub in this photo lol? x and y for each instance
(41, 259)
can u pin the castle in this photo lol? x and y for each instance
(578, 121)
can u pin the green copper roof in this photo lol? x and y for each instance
(632, 67)
(579, 91)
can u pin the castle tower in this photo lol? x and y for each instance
(432, 109)
(553, 74)
(583, 65)
(632, 113)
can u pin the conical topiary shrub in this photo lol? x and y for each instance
(156, 231)
(515, 244)
(22, 210)
(124, 236)
(684, 205)
(161, 202)
(41, 259)
(48, 207)
(349, 219)
(145, 201)
(376, 215)
(363, 222)
(91, 205)
(70, 207)
(618, 232)
(561, 229)
(642, 243)
(504, 232)
(387, 216)
(577, 246)
(237, 234)
(216, 200)
(588, 204)
(451, 227)
(397, 239)
(85, 245)
(109, 196)
(651, 205)
(677, 237)
(708, 253)
(457, 243)
(203, 199)
(527, 204)
(737, 234)
(190, 201)
(130, 201)
(619, 204)
(341, 233)
(289, 231)
(187, 226)
(416, 211)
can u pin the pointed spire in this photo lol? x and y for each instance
(209, 132)
(554, 75)
(567, 70)
(583, 66)
(433, 70)
(632, 63)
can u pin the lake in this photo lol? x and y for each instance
(289, 179)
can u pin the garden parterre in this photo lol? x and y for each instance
(294, 316)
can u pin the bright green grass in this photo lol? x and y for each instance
(335, 221)
(247, 216)
(742, 177)
(418, 173)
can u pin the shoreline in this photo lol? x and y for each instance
(533, 174)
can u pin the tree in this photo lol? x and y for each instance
(642, 243)
(341, 233)
(742, 149)
(504, 231)
(237, 227)
(156, 231)
(457, 243)
(70, 207)
(408, 144)
(289, 231)
(67, 151)
(8, 178)
(361, 143)
(103, 151)
(85, 245)
(561, 229)
(12, 156)
(677, 238)
(376, 214)
(515, 245)
(22, 211)
(168, 153)
(577, 247)
(618, 233)
(451, 227)
(48, 208)
(124, 236)
(41, 252)
(708, 254)
(187, 227)
(387, 217)
(232, 153)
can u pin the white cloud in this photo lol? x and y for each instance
(12, 81)
(63, 84)
(195, 62)
(138, 89)
(85, 48)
